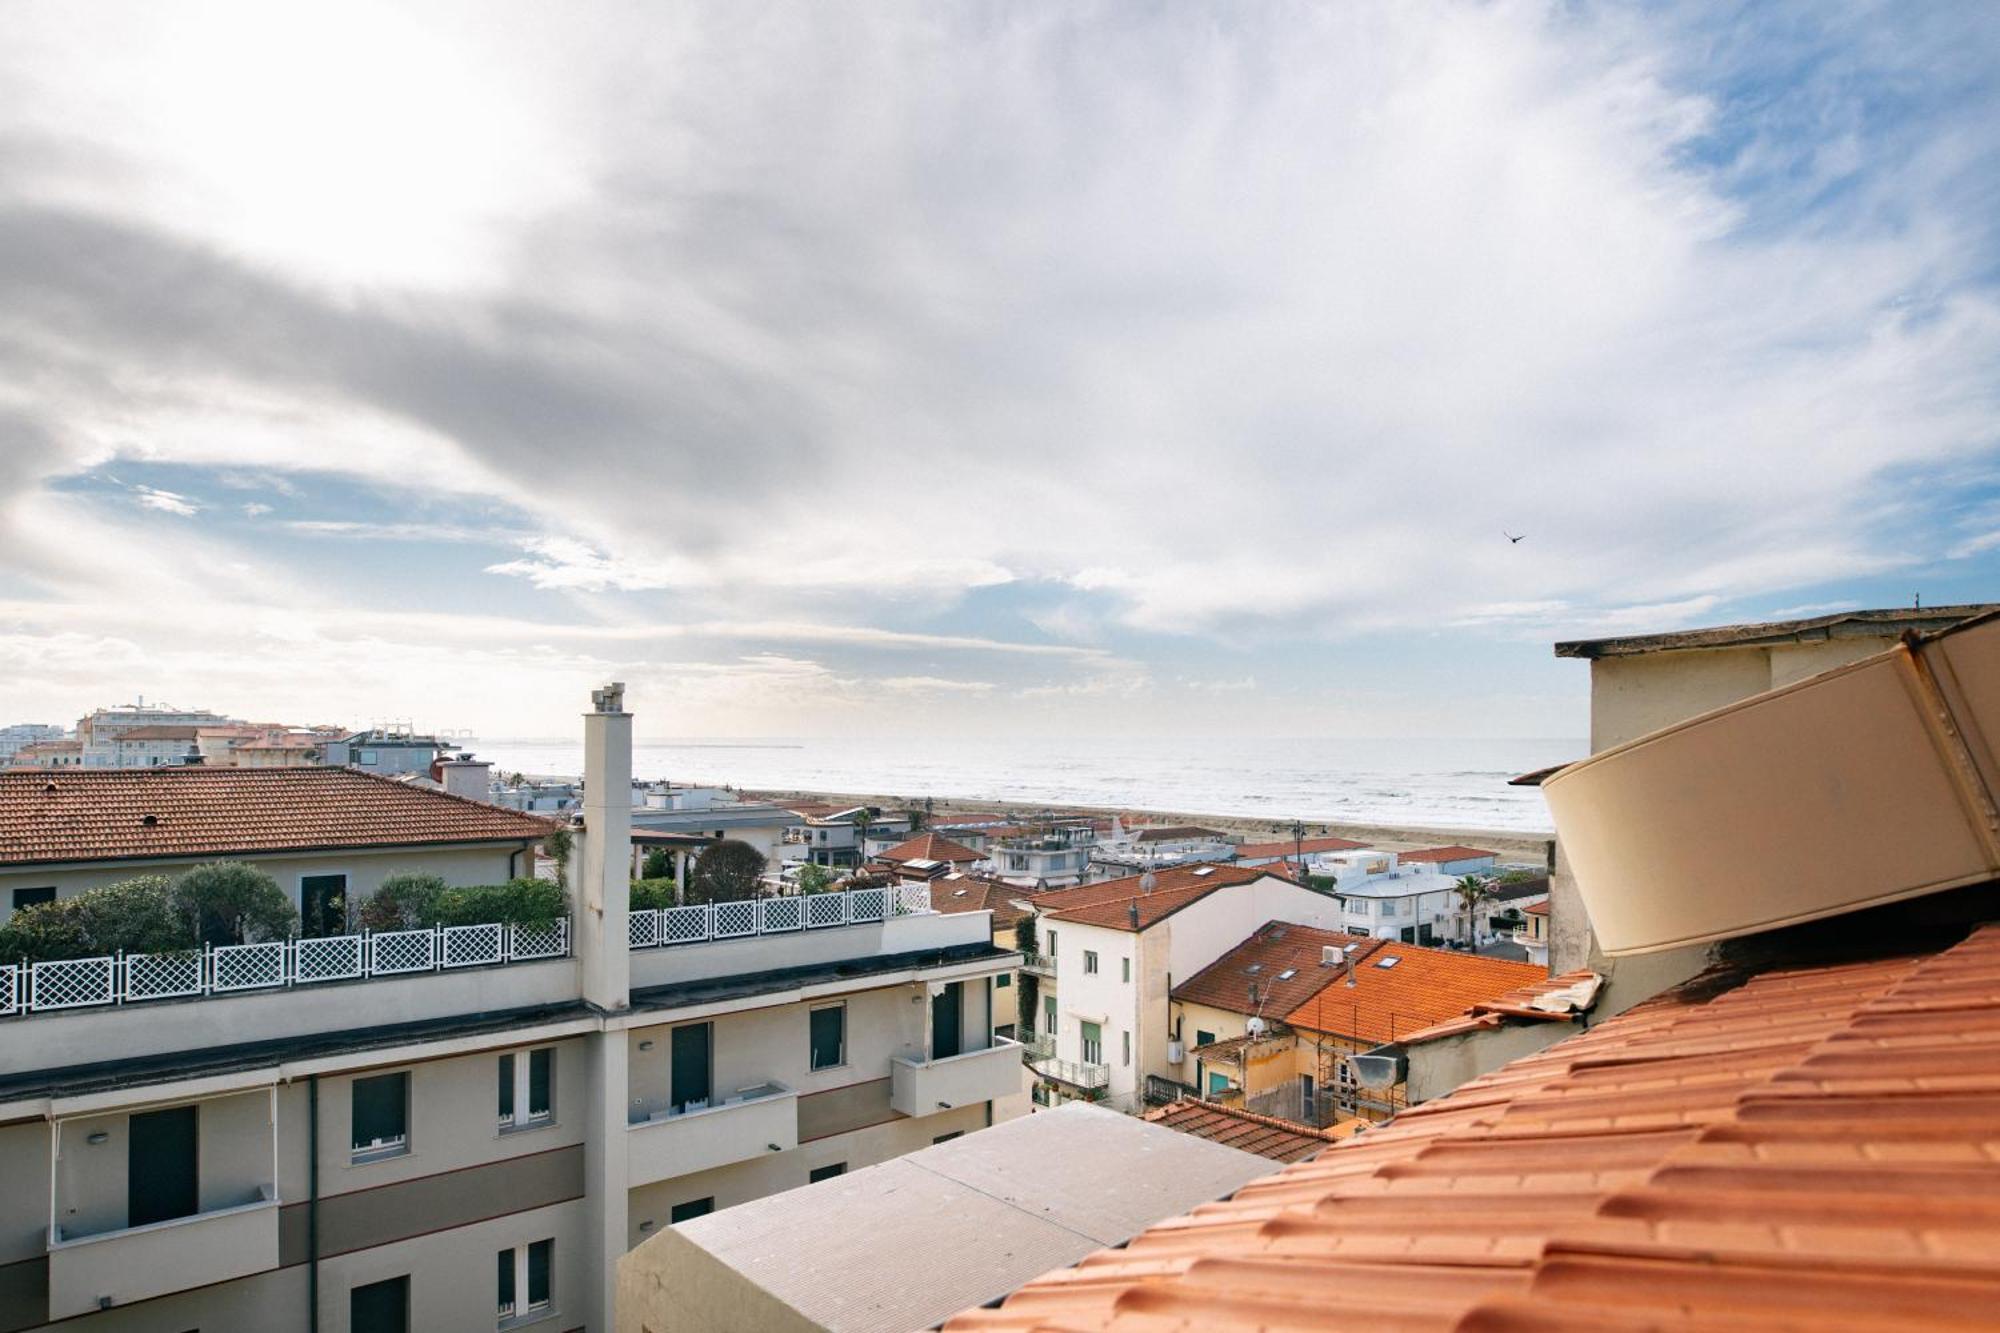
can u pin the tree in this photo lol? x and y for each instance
(657, 865)
(233, 902)
(815, 879)
(1024, 935)
(559, 845)
(1471, 891)
(864, 820)
(726, 871)
(134, 916)
(405, 901)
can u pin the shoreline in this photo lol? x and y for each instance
(1512, 845)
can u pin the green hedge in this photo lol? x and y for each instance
(412, 902)
(648, 894)
(221, 902)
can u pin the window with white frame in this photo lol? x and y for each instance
(380, 1117)
(827, 1036)
(525, 1274)
(527, 1088)
(1093, 1044)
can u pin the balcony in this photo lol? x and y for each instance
(748, 1123)
(1041, 964)
(139, 1263)
(924, 1087)
(1038, 1046)
(1076, 1073)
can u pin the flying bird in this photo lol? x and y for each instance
(1510, 536)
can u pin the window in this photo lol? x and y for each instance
(41, 893)
(829, 1036)
(693, 1208)
(161, 1175)
(1089, 961)
(1052, 944)
(1203, 1038)
(381, 1117)
(1049, 1014)
(1003, 981)
(1125, 1038)
(1093, 1044)
(366, 757)
(946, 1138)
(380, 1307)
(525, 1089)
(820, 1173)
(1124, 969)
(322, 905)
(524, 1280)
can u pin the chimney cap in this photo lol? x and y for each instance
(609, 698)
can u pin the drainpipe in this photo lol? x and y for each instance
(312, 1203)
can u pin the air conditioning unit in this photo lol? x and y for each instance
(1176, 1052)
(1329, 954)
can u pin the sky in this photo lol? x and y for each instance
(1002, 370)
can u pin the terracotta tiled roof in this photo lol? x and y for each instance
(1418, 988)
(930, 847)
(1109, 903)
(1452, 853)
(1276, 948)
(1267, 1136)
(1537, 909)
(159, 732)
(1811, 1147)
(968, 893)
(86, 814)
(1561, 999)
(1256, 851)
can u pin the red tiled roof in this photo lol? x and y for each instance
(1422, 987)
(1537, 909)
(1542, 1001)
(1452, 853)
(1267, 1136)
(929, 847)
(85, 814)
(968, 893)
(1253, 851)
(1810, 1147)
(1109, 903)
(1276, 948)
(158, 732)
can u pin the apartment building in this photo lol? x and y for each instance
(462, 1128)
(1109, 954)
(17, 734)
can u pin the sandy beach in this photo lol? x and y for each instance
(1512, 846)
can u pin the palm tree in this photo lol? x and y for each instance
(1471, 891)
(863, 822)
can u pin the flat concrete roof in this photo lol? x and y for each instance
(911, 1242)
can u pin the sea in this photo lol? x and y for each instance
(1408, 783)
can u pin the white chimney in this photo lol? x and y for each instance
(601, 887)
(468, 777)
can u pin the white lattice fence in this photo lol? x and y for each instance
(247, 966)
(643, 928)
(782, 914)
(826, 909)
(72, 982)
(684, 925)
(10, 989)
(866, 905)
(396, 951)
(912, 899)
(472, 946)
(159, 976)
(734, 920)
(549, 941)
(327, 958)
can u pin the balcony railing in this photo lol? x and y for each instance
(1037, 1046)
(134, 1264)
(923, 1087)
(1041, 964)
(79, 983)
(750, 1122)
(1076, 1073)
(668, 926)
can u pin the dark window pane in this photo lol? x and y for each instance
(160, 1163)
(380, 1307)
(693, 1208)
(34, 897)
(507, 1088)
(827, 1172)
(689, 1077)
(379, 1110)
(506, 1294)
(541, 1258)
(828, 1031)
(539, 1063)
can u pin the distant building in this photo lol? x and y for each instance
(1453, 861)
(66, 752)
(1381, 896)
(385, 750)
(1055, 855)
(13, 737)
(1534, 932)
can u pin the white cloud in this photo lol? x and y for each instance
(166, 502)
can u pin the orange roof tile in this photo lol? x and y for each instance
(85, 814)
(971, 893)
(1277, 947)
(1403, 988)
(1267, 1136)
(1109, 902)
(1455, 852)
(1541, 1001)
(1806, 1146)
(929, 847)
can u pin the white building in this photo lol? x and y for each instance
(1056, 857)
(13, 737)
(1387, 898)
(1108, 955)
